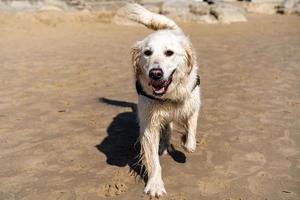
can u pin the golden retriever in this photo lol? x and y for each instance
(168, 87)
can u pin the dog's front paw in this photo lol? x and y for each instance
(155, 188)
(190, 146)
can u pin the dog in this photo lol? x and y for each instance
(168, 88)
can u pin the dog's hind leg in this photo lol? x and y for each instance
(165, 137)
(150, 136)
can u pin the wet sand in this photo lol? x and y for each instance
(59, 139)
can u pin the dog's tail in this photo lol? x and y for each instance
(138, 13)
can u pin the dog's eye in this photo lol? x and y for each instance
(148, 53)
(169, 53)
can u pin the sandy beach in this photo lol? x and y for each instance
(68, 120)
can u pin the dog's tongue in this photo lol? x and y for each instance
(158, 87)
(160, 91)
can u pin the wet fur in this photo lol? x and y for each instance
(183, 107)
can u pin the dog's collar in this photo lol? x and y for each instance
(140, 91)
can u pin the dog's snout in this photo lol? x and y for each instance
(156, 74)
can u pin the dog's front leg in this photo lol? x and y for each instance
(150, 136)
(191, 129)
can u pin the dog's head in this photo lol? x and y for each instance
(161, 61)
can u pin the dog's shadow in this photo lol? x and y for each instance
(121, 146)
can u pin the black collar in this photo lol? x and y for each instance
(140, 91)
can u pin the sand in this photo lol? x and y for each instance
(59, 139)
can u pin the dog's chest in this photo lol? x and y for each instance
(168, 112)
(181, 112)
(165, 112)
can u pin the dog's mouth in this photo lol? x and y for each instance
(160, 87)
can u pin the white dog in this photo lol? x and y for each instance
(167, 84)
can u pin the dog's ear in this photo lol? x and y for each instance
(135, 58)
(189, 55)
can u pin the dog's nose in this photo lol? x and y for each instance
(156, 74)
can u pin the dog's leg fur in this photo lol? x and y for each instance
(150, 136)
(191, 129)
